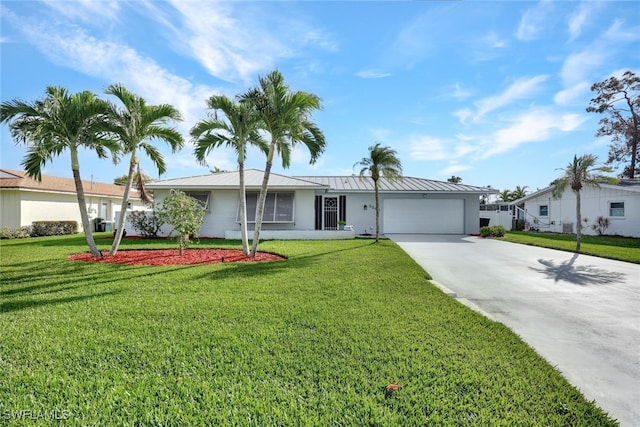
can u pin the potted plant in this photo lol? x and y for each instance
(341, 225)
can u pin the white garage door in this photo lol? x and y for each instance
(429, 216)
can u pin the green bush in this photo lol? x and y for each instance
(14, 233)
(53, 228)
(147, 223)
(493, 231)
(498, 231)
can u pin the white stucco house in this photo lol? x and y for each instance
(620, 203)
(312, 207)
(24, 200)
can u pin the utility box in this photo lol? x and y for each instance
(99, 224)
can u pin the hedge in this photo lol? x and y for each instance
(53, 228)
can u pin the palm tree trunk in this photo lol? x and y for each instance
(375, 186)
(243, 210)
(123, 208)
(579, 220)
(260, 208)
(82, 203)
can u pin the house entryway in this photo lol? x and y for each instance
(330, 210)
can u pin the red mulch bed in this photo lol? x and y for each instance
(172, 257)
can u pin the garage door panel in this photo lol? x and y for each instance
(429, 216)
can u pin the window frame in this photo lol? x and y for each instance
(611, 209)
(272, 203)
(192, 193)
(546, 209)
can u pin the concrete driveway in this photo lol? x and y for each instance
(581, 313)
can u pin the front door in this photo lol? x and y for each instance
(330, 213)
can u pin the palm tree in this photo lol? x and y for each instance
(285, 117)
(236, 131)
(136, 126)
(519, 192)
(60, 121)
(382, 161)
(505, 196)
(579, 173)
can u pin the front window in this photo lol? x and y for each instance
(202, 197)
(277, 208)
(616, 209)
(544, 210)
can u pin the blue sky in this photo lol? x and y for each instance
(494, 92)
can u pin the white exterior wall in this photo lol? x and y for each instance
(22, 207)
(594, 203)
(221, 217)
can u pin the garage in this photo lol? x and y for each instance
(423, 216)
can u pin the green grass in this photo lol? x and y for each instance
(613, 247)
(312, 340)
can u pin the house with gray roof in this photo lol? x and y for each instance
(305, 207)
(618, 204)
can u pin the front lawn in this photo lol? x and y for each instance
(613, 247)
(312, 340)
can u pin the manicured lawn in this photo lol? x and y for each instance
(312, 340)
(613, 247)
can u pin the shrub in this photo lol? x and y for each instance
(493, 231)
(185, 214)
(601, 224)
(147, 223)
(498, 231)
(14, 233)
(53, 228)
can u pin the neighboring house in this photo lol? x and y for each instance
(24, 200)
(620, 203)
(314, 206)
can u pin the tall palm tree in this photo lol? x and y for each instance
(237, 128)
(382, 161)
(56, 123)
(285, 116)
(136, 126)
(579, 173)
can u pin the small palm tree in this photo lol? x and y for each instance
(579, 173)
(505, 196)
(136, 126)
(285, 116)
(238, 127)
(519, 192)
(61, 122)
(382, 161)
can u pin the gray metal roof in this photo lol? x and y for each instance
(356, 184)
(229, 180)
(625, 184)
(345, 184)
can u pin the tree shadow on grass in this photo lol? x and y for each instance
(582, 275)
(22, 304)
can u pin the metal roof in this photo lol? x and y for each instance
(351, 183)
(229, 180)
(626, 184)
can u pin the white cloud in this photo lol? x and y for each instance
(534, 20)
(86, 10)
(372, 74)
(533, 126)
(423, 147)
(571, 94)
(460, 93)
(520, 89)
(454, 169)
(579, 19)
(578, 66)
(233, 41)
(617, 33)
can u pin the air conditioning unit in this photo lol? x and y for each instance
(567, 227)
